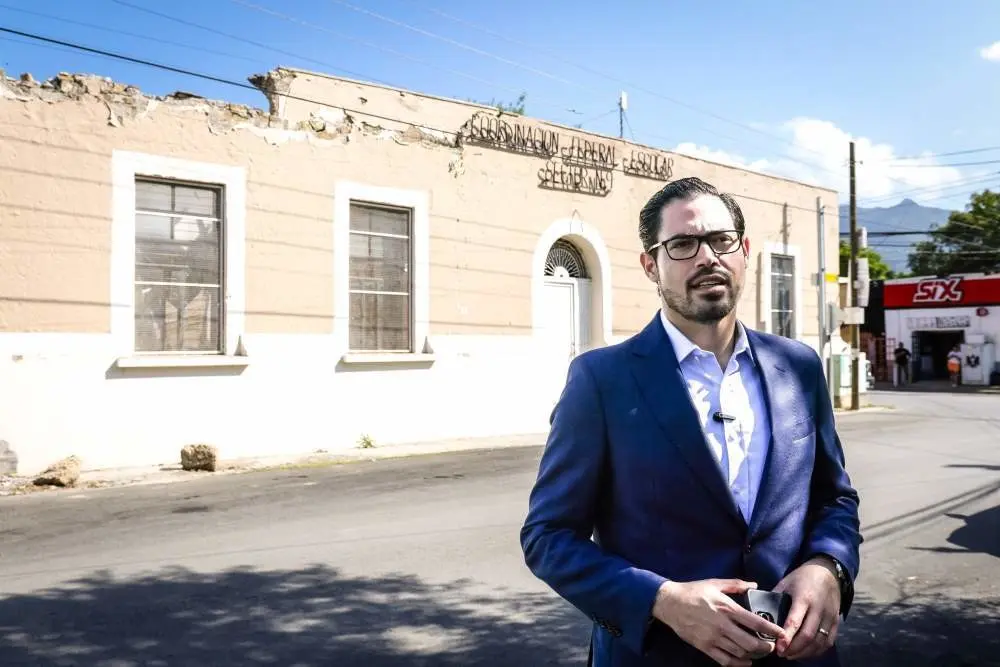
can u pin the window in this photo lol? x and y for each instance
(380, 278)
(178, 255)
(782, 290)
(178, 267)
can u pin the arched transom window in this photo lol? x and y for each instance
(565, 261)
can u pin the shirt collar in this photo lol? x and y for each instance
(683, 347)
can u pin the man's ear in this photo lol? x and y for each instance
(648, 263)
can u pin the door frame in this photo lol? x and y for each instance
(582, 310)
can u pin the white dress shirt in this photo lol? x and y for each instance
(738, 445)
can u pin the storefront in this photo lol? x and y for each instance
(930, 316)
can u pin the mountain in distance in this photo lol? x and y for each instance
(906, 216)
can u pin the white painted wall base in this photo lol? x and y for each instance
(60, 398)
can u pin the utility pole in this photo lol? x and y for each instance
(824, 334)
(855, 330)
(622, 106)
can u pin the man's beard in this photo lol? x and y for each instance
(706, 308)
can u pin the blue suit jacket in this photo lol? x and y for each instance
(626, 462)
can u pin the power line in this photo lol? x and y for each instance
(947, 164)
(453, 42)
(928, 156)
(248, 86)
(448, 40)
(613, 78)
(937, 187)
(390, 20)
(379, 47)
(126, 33)
(192, 24)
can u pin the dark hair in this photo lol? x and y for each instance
(684, 188)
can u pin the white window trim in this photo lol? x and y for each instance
(793, 251)
(418, 201)
(126, 166)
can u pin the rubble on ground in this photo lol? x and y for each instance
(62, 473)
(199, 457)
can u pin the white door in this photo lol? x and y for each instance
(560, 316)
(567, 316)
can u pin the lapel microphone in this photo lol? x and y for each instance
(722, 417)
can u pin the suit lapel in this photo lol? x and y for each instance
(662, 385)
(777, 390)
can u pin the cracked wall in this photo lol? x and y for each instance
(487, 210)
(57, 137)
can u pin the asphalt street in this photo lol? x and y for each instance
(416, 561)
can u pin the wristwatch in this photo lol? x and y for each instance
(843, 578)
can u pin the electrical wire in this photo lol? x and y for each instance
(635, 86)
(248, 86)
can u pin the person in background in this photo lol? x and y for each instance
(955, 365)
(902, 357)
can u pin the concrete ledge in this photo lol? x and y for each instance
(182, 361)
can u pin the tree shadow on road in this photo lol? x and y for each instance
(317, 616)
(922, 630)
(286, 618)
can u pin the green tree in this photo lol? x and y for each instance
(877, 268)
(968, 243)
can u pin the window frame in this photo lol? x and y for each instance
(367, 205)
(127, 168)
(220, 214)
(416, 202)
(789, 280)
(767, 311)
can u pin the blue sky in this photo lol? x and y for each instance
(777, 86)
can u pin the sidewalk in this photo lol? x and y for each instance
(173, 473)
(935, 387)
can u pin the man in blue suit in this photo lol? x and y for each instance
(692, 462)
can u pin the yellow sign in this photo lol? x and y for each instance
(832, 277)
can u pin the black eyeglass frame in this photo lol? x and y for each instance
(700, 238)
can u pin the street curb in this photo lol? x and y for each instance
(864, 410)
(172, 473)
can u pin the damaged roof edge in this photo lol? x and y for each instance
(77, 85)
(289, 74)
(275, 86)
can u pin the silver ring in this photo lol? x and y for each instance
(824, 632)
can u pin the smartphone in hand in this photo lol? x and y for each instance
(769, 605)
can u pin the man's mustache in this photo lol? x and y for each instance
(710, 274)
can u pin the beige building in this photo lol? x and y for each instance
(355, 260)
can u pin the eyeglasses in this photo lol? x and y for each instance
(686, 246)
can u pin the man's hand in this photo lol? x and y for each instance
(703, 615)
(815, 606)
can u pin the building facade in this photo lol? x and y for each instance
(354, 261)
(931, 315)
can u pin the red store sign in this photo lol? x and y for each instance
(943, 293)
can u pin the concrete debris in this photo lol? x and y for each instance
(199, 457)
(62, 473)
(126, 104)
(274, 84)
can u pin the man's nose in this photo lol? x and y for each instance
(706, 256)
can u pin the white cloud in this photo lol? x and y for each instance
(818, 153)
(991, 52)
